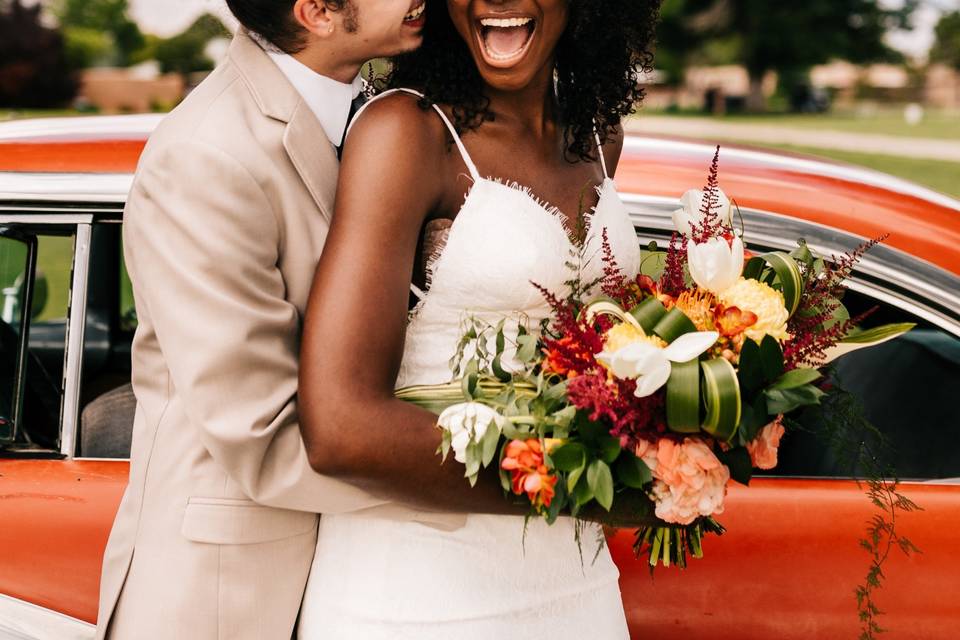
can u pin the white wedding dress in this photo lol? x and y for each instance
(375, 578)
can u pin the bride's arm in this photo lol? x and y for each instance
(354, 428)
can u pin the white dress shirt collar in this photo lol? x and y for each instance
(329, 99)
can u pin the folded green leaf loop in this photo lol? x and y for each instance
(721, 393)
(683, 397)
(788, 275)
(648, 313)
(674, 324)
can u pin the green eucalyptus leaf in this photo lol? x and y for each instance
(528, 348)
(582, 493)
(575, 476)
(489, 442)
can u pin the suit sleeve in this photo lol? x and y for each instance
(201, 243)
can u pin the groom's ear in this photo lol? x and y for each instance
(316, 17)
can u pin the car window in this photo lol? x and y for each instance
(908, 390)
(42, 391)
(14, 256)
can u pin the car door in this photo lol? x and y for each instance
(791, 560)
(56, 508)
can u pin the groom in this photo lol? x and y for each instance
(223, 229)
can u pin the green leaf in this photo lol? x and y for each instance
(673, 325)
(738, 461)
(600, 481)
(786, 400)
(753, 416)
(569, 456)
(582, 493)
(788, 277)
(877, 334)
(750, 369)
(609, 449)
(648, 313)
(445, 443)
(556, 392)
(721, 397)
(754, 268)
(633, 472)
(796, 378)
(489, 442)
(683, 397)
(575, 476)
(771, 359)
(470, 378)
(528, 348)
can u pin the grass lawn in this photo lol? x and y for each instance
(21, 114)
(941, 125)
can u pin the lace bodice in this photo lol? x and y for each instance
(502, 241)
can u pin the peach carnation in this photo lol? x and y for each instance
(689, 480)
(763, 448)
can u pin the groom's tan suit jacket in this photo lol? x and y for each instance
(223, 229)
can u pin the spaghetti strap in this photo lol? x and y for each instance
(603, 162)
(467, 160)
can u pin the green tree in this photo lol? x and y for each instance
(785, 37)
(946, 47)
(33, 66)
(108, 16)
(184, 52)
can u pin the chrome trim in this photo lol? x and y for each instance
(87, 188)
(84, 127)
(773, 158)
(21, 620)
(888, 274)
(73, 363)
(46, 218)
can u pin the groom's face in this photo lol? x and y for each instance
(382, 28)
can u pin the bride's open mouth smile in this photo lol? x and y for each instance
(504, 40)
(416, 16)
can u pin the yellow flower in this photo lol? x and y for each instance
(764, 301)
(698, 306)
(623, 334)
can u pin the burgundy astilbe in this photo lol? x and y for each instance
(711, 225)
(611, 400)
(820, 300)
(673, 282)
(614, 283)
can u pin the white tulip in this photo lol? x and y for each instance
(467, 423)
(691, 212)
(716, 264)
(650, 365)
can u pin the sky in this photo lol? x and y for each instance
(168, 17)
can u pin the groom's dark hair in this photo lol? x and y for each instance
(273, 20)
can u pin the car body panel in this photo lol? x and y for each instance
(797, 538)
(56, 516)
(789, 563)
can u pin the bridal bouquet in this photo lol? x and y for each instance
(655, 391)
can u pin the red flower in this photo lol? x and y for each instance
(731, 321)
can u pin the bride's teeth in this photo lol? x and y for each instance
(416, 13)
(505, 23)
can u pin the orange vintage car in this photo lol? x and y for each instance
(790, 562)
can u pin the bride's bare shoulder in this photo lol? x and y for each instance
(400, 119)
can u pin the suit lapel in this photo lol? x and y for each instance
(313, 156)
(304, 139)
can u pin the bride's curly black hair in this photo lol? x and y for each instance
(607, 45)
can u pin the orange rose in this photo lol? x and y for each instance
(524, 460)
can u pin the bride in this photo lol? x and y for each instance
(446, 180)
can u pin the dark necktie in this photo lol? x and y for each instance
(355, 105)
